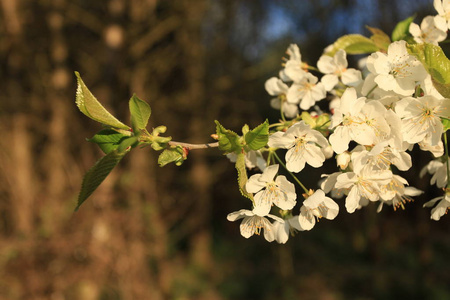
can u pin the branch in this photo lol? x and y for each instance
(194, 146)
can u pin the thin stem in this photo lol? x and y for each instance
(275, 125)
(446, 158)
(281, 109)
(370, 92)
(194, 146)
(313, 68)
(295, 178)
(323, 125)
(269, 158)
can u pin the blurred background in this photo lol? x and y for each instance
(161, 233)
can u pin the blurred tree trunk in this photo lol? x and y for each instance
(119, 242)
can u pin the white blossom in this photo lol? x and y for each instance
(304, 146)
(253, 224)
(281, 231)
(355, 120)
(428, 32)
(305, 91)
(421, 117)
(441, 208)
(438, 170)
(276, 87)
(437, 150)
(270, 190)
(397, 70)
(363, 185)
(328, 185)
(253, 159)
(428, 88)
(396, 194)
(443, 18)
(294, 68)
(315, 207)
(381, 157)
(336, 67)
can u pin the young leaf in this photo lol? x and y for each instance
(107, 139)
(258, 137)
(245, 129)
(126, 143)
(242, 175)
(322, 122)
(446, 124)
(436, 64)
(160, 142)
(318, 123)
(90, 106)
(140, 113)
(308, 119)
(158, 130)
(229, 141)
(175, 155)
(353, 44)
(95, 176)
(380, 38)
(401, 30)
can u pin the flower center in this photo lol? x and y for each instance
(271, 193)
(306, 87)
(318, 211)
(427, 115)
(399, 68)
(300, 143)
(254, 225)
(365, 188)
(347, 120)
(384, 159)
(447, 15)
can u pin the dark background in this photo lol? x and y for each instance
(161, 233)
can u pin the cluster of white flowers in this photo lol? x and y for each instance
(375, 120)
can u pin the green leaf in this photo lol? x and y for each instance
(353, 44)
(323, 122)
(158, 130)
(95, 176)
(381, 39)
(401, 30)
(443, 88)
(308, 119)
(242, 175)
(229, 141)
(258, 137)
(175, 155)
(126, 143)
(436, 64)
(160, 142)
(90, 106)
(245, 129)
(318, 123)
(445, 124)
(140, 113)
(107, 139)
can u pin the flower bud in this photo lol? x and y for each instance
(328, 152)
(343, 160)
